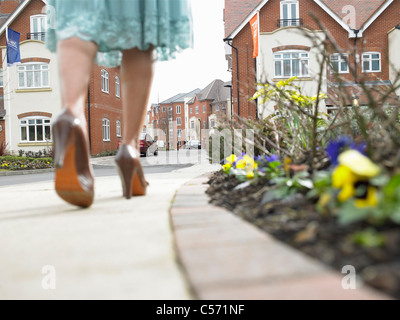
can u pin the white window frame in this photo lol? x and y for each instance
(164, 109)
(178, 109)
(118, 126)
(38, 33)
(192, 124)
(370, 60)
(288, 4)
(197, 109)
(106, 130)
(304, 60)
(339, 58)
(117, 87)
(105, 81)
(35, 122)
(30, 70)
(178, 121)
(1, 78)
(179, 133)
(212, 123)
(204, 109)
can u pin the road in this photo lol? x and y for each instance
(104, 167)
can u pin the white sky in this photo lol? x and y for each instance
(197, 67)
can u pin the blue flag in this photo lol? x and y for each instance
(13, 53)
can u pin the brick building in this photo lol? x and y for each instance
(364, 31)
(30, 92)
(184, 116)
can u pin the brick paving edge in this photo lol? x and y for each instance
(224, 257)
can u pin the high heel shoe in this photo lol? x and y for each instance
(74, 180)
(130, 172)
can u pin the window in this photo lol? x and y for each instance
(35, 129)
(38, 27)
(191, 124)
(179, 133)
(33, 75)
(204, 109)
(118, 88)
(212, 123)
(178, 121)
(119, 132)
(178, 109)
(217, 107)
(197, 110)
(289, 13)
(340, 63)
(191, 110)
(371, 62)
(164, 109)
(1, 78)
(105, 81)
(291, 64)
(164, 121)
(106, 130)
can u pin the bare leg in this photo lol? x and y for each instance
(136, 80)
(75, 66)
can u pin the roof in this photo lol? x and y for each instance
(10, 18)
(366, 12)
(237, 11)
(364, 9)
(180, 97)
(215, 92)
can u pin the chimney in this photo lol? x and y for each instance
(8, 6)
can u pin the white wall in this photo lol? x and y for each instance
(394, 58)
(21, 102)
(285, 37)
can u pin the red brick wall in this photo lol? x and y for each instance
(103, 105)
(375, 38)
(3, 132)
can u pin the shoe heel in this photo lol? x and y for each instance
(62, 137)
(130, 172)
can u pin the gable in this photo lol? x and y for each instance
(366, 12)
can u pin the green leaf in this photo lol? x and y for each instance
(393, 184)
(369, 238)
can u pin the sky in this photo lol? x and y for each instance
(197, 67)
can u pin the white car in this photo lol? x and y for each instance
(194, 144)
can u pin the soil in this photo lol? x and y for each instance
(295, 221)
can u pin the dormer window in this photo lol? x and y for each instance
(289, 13)
(38, 27)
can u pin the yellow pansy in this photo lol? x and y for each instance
(231, 159)
(250, 175)
(226, 166)
(241, 164)
(358, 163)
(371, 199)
(355, 168)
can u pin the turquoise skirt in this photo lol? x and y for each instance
(117, 25)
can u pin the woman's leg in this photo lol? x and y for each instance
(76, 59)
(136, 79)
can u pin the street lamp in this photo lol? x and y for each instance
(230, 87)
(199, 129)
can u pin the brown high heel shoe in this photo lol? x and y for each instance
(74, 180)
(130, 171)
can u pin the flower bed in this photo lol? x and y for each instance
(345, 214)
(24, 163)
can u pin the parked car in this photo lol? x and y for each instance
(148, 145)
(194, 144)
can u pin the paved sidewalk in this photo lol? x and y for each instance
(227, 258)
(117, 249)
